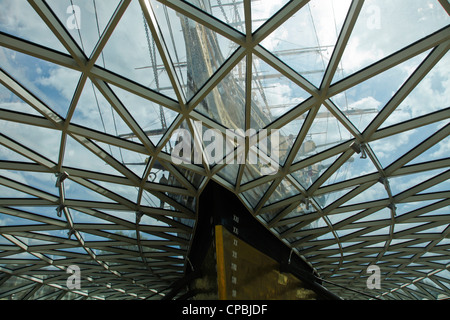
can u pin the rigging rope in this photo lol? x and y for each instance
(152, 52)
(92, 84)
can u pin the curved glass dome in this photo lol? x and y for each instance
(93, 94)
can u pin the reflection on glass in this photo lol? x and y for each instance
(262, 11)
(308, 175)
(196, 51)
(85, 20)
(41, 140)
(306, 41)
(19, 19)
(273, 94)
(362, 103)
(254, 195)
(432, 92)
(230, 12)
(152, 118)
(143, 64)
(284, 190)
(393, 147)
(325, 132)
(53, 84)
(384, 27)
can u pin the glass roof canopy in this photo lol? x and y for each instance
(92, 93)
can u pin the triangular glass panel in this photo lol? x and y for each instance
(225, 104)
(229, 173)
(16, 221)
(180, 137)
(352, 168)
(284, 190)
(337, 218)
(76, 191)
(135, 162)
(325, 200)
(7, 154)
(81, 217)
(306, 41)
(308, 175)
(39, 180)
(51, 83)
(161, 176)
(431, 92)
(349, 244)
(406, 207)
(182, 148)
(134, 55)
(41, 140)
(9, 101)
(437, 230)
(325, 133)
(47, 211)
(383, 214)
(91, 237)
(197, 52)
(379, 232)
(273, 94)
(393, 147)
(316, 224)
(150, 200)
(129, 216)
(384, 27)
(375, 192)
(362, 102)
(403, 183)
(78, 156)
(127, 192)
(347, 232)
(6, 192)
(263, 11)
(327, 236)
(288, 136)
(232, 13)
(23, 256)
(270, 215)
(251, 172)
(291, 218)
(84, 20)
(154, 119)
(253, 196)
(95, 112)
(402, 227)
(194, 178)
(185, 201)
(440, 187)
(440, 150)
(19, 19)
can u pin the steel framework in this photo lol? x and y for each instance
(136, 248)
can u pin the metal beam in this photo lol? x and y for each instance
(60, 31)
(347, 28)
(201, 17)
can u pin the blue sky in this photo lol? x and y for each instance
(55, 86)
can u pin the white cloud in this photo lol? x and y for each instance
(19, 19)
(365, 103)
(42, 140)
(397, 29)
(62, 80)
(444, 150)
